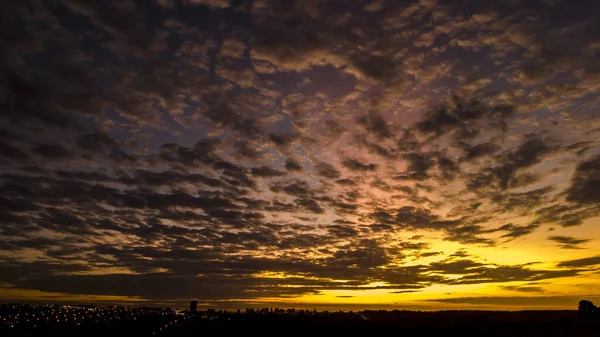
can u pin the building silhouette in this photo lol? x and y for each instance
(193, 306)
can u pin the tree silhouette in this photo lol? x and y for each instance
(588, 311)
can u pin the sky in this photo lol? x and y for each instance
(346, 154)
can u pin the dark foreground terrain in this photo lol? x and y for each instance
(86, 321)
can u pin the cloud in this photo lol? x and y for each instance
(376, 125)
(456, 267)
(469, 234)
(568, 242)
(327, 171)
(524, 289)
(298, 189)
(404, 291)
(266, 171)
(292, 165)
(527, 154)
(585, 182)
(523, 301)
(418, 165)
(309, 205)
(244, 149)
(202, 152)
(376, 67)
(588, 261)
(461, 115)
(419, 218)
(148, 286)
(210, 3)
(13, 153)
(414, 245)
(356, 165)
(567, 215)
(274, 148)
(517, 231)
(54, 152)
(483, 149)
(512, 273)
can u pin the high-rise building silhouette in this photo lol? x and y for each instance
(193, 306)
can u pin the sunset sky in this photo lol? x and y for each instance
(345, 154)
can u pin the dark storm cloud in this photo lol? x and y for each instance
(568, 242)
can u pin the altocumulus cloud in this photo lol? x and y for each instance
(248, 150)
